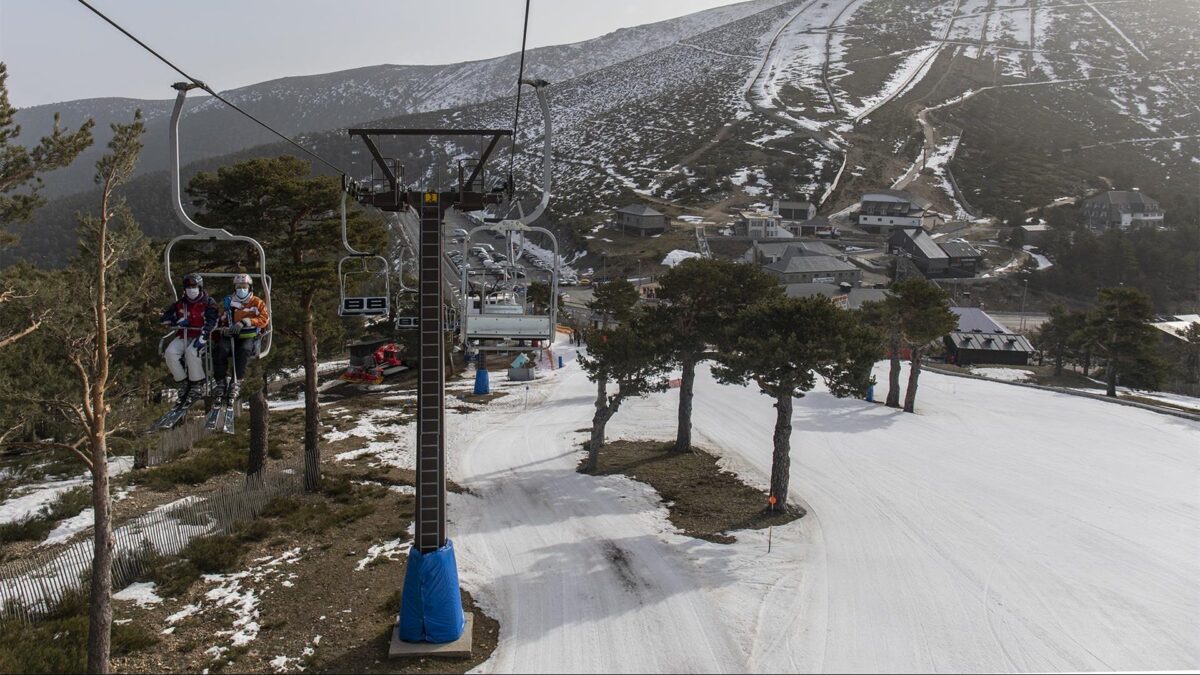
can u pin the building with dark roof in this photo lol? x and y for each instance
(797, 268)
(936, 261)
(882, 211)
(793, 211)
(1121, 208)
(763, 253)
(981, 339)
(640, 220)
(964, 258)
(843, 295)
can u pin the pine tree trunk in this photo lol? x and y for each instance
(258, 433)
(312, 409)
(893, 395)
(100, 598)
(1110, 377)
(914, 371)
(599, 420)
(1087, 363)
(781, 461)
(683, 436)
(1058, 362)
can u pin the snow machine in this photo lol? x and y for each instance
(373, 360)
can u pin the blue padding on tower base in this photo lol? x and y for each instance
(482, 386)
(431, 607)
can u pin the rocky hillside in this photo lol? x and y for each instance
(983, 106)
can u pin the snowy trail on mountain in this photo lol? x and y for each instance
(981, 534)
(985, 533)
(575, 566)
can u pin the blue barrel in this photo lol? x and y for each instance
(560, 360)
(482, 385)
(870, 394)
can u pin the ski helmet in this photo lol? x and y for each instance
(193, 279)
(242, 279)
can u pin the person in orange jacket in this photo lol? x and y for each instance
(242, 318)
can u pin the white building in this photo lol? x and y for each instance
(761, 225)
(885, 210)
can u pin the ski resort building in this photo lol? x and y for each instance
(886, 210)
(760, 225)
(954, 259)
(981, 339)
(1036, 234)
(798, 267)
(800, 218)
(843, 295)
(640, 220)
(764, 253)
(1121, 208)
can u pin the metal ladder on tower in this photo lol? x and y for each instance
(431, 475)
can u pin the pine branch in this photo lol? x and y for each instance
(4, 342)
(52, 445)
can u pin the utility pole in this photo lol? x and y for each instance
(1023, 294)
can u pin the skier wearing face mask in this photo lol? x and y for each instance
(242, 316)
(194, 314)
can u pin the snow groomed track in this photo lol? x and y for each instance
(1002, 529)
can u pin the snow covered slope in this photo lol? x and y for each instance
(331, 100)
(986, 533)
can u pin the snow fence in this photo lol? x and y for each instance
(31, 587)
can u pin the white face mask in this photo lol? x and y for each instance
(242, 293)
(192, 293)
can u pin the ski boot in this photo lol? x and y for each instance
(230, 404)
(177, 411)
(218, 404)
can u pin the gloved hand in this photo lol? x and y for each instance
(182, 323)
(246, 323)
(199, 343)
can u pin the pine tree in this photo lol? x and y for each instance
(614, 301)
(20, 168)
(700, 298)
(618, 356)
(924, 316)
(294, 215)
(1059, 336)
(1119, 330)
(92, 332)
(783, 345)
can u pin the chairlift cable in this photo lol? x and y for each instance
(208, 89)
(512, 157)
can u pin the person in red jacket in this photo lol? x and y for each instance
(242, 318)
(194, 314)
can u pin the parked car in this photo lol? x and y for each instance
(459, 232)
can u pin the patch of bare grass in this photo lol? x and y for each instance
(704, 501)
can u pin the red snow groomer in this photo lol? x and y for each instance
(373, 360)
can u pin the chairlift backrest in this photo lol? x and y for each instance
(208, 234)
(372, 297)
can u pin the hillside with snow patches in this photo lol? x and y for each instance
(313, 103)
(821, 98)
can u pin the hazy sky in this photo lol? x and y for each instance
(57, 50)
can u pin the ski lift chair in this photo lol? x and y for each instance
(213, 235)
(364, 279)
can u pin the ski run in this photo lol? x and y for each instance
(978, 535)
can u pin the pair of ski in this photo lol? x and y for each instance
(221, 415)
(171, 419)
